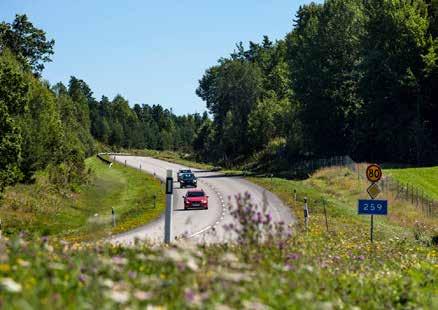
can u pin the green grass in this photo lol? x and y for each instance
(173, 157)
(424, 178)
(84, 215)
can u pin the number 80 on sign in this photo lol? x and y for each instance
(374, 173)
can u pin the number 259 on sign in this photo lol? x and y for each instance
(374, 173)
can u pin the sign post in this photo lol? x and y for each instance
(371, 206)
(169, 207)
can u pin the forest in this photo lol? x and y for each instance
(351, 77)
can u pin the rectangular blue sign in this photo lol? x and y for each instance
(376, 207)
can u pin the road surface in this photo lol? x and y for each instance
(200, 225)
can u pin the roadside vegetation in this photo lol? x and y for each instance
(85, 213)
(173, 157)
(424, 178)
(293, 269)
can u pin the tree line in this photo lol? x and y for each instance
(55, 127)
(352, 77)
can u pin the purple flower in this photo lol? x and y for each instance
(189, 295)
(82, 278)
(293, 256)
(360, 257)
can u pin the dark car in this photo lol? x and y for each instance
(182, 171)
(187, 179)
(195, 198)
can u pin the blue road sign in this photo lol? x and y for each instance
(376, 207)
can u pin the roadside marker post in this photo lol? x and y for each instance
(295, 195)
(169, 205)
(371, 206)
(306, 213)
(325, 214)
(113, 214)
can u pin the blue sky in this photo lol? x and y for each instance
(151, 52)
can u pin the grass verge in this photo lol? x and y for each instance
(172, 157)
(425, 178)
(85, 215)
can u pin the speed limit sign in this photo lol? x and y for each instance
(374, 173)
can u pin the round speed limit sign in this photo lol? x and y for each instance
(374, 173)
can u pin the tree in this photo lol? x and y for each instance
(27, 43)
(13, 101)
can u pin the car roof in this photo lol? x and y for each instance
(196, 190)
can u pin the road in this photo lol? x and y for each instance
(200, 225)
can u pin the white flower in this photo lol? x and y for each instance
(10, 285)
(142, 295)
(120, 297)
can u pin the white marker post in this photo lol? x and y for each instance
(169, 207)
(306, 213)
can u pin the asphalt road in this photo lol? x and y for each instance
(200, 225)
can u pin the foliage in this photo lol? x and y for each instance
(28, 43)
(13, 101)
(352, 77)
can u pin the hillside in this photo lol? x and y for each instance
(85, 213)
(423, 178)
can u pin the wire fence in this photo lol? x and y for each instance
(400, 190)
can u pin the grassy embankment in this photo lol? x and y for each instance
(172, 157)
(424, 178)
(41, 208)
(314, 270)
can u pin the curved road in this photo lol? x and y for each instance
(200, 225)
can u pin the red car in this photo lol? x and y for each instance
(195, 198)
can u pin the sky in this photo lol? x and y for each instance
(150, 52)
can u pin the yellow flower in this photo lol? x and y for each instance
(5, 267)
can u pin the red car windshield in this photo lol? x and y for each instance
(195, 194)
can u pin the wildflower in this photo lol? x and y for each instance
(10, 285)
(235, 276)
(5, 267)
(293, 256)
(132, 274)
(120, 297)
(120, 261)
(107, 282)
(56, 266)
(254, 305)
(142, 295)
(23, 263)
(82, 278)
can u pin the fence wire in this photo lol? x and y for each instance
(402, 191)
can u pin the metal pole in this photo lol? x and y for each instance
(295, 195)
(169, 204)
(372, 227)
(125, 162)
(113, 216)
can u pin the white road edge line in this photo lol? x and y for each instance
(200, 232)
